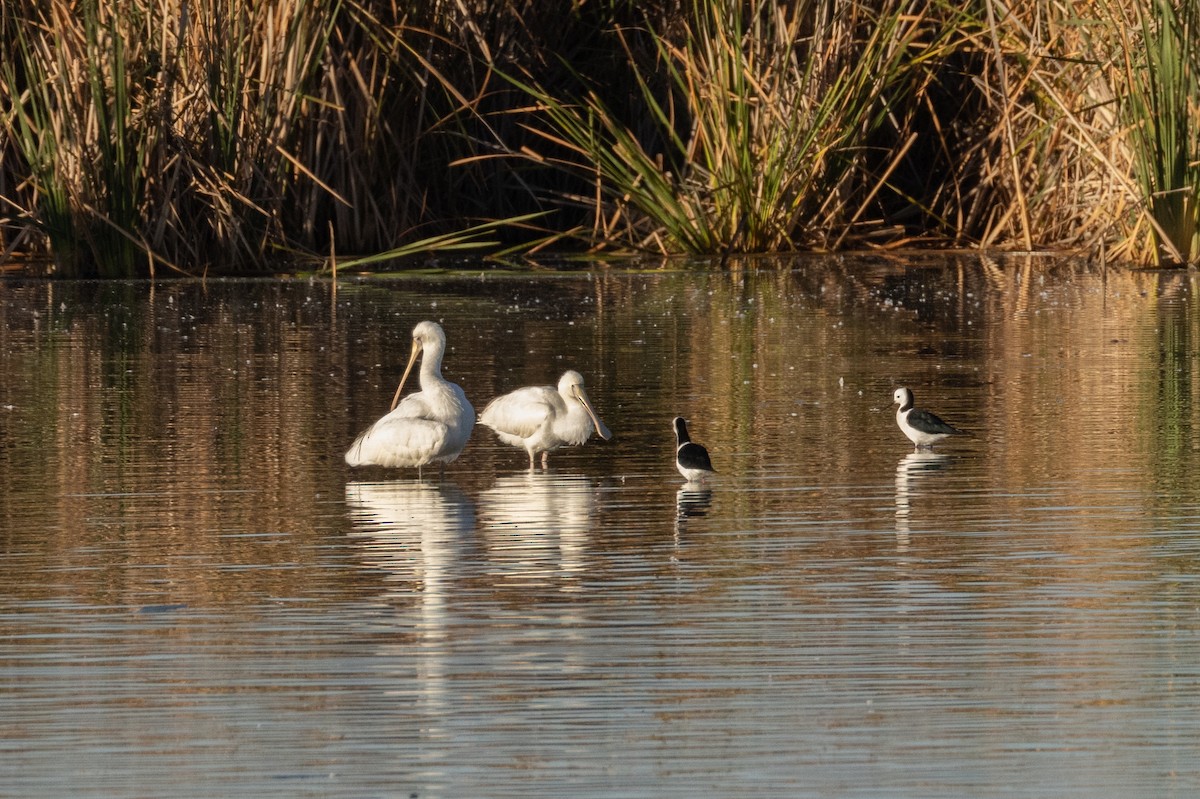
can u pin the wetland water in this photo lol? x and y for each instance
(198, 598)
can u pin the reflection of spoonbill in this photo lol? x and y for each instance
(414, 531)
(543, 418)
(537, 524)
(922, 427)
(428, 426)
(414, 538)
(691, 459)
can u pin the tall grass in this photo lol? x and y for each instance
(1161, 77)
(1014, 175)
(138, 137)
(73, 122)
(155, 137)
(218, 134)
(760, 137)
(1108, 110)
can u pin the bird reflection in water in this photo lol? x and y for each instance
(692, 500)
(537, 525)
(912, 468)
(415, 533)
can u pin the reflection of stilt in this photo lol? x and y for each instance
(537, 524)
(912, 468)
(413, 532)
(693, 499)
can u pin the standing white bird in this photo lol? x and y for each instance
(544, 418)
(923, 428)
(429, 426)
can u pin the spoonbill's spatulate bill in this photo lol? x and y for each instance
(545, 418)
(691, 459)
(428, 426)
(923, 428)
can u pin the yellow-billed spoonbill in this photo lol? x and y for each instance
(544, 418)
(428, 426)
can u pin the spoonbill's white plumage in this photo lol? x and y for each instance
(428, 426)
(691, 459)
(923, 428)
(544, 418)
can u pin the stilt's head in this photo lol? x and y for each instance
(903, 397)
(681, 433)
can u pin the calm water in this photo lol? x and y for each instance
(197, 598)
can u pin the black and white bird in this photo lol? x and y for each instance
(691, 459)
(922, 427)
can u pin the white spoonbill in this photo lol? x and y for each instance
(544, 418)
(429, 426)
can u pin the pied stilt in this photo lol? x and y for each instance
(923, 428)
(691, 459)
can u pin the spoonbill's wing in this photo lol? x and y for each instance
(414, 406)
(396, 441)
(522, 412)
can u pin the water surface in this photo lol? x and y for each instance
(200, 598)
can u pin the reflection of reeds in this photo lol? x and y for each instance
(139, 136)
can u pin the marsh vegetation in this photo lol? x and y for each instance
(143, 138)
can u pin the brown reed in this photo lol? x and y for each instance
(138, 137)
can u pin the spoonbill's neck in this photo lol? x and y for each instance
(431, 366)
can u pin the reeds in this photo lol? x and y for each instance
(156, 138)
(767, 133)
(1161, 83)
(138, 137)
(70, 119)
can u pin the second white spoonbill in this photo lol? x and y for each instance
(428, 426)
(544, 418)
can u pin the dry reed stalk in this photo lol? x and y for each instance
(1072, 116)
